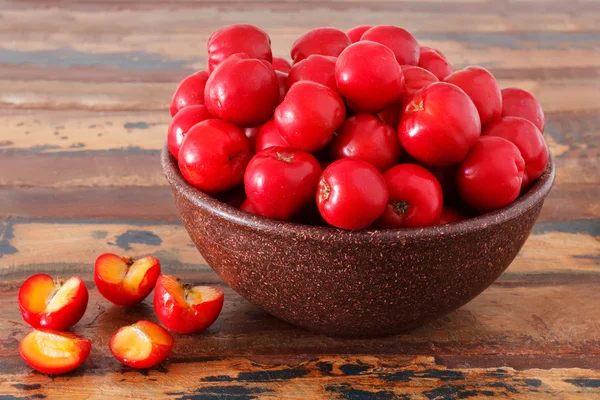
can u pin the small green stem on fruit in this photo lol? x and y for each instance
(287, 157)
(418, 107)
(400, 207)
(324, 190)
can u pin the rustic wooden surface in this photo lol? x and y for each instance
(84, 89)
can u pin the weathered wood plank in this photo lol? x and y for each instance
(364, 377)
(543, 319)
(27, 245)
(438, 16)
(544, 305)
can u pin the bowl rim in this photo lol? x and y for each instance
(536, 193)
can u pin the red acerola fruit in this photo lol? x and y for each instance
(242, 90)
(238, 38)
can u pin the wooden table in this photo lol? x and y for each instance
(84, 92)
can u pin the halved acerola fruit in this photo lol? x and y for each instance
(141, 345)
(54, 352)
(123, 280)
(52, 303)
(186, 309)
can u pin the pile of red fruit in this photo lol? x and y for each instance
(374, 129)
(52, 306)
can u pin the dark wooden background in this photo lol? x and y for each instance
(84, 92)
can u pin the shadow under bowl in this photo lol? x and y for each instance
(355, 283)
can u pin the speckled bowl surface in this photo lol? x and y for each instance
(355, 283)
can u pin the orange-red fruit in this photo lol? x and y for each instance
(141, 345)
(123, 280)
(186, 309)
(54, 352)
(52, 304)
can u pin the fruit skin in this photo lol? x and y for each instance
(180, 316)
(481, 86)
(434, 61)
(528, 139)
(190, 91)
(251, 133)
(324, 41)
(491, 175)
(49, 365)
(119, 293)
(249, 207)
(356, 33)
(280, 182)
(400, 41)
(352, 194)
(242, 90)
(309, 116)
(238, 38)
(369, 77)
(281, 64)
(439, 125)
(415, 198)
(269, 136)
(214, 155)
(159, 350)
(365, 137)
(181, 124)
(449, 215)
(282, 79)
(415, 79)
(43, 285)
(315, 68)
(520, 103)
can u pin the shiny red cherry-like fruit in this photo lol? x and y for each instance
(367, 138)
(214, 155)
(242, 90)
(238, 38)
(439, 125)
(520, 103)
(369, 77)
(323, 41)
(190, 91)
(352, 194)
(491, 175)
(309, 116)
(481, 86)
(528, 139)
(415, 197)
(280, 182)
(434, 61)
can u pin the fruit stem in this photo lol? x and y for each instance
(418, 107)
(400, 207)
(325, 190)
(285, 157)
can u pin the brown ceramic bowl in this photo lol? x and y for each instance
(355, 283)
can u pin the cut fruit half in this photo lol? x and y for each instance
(52, 303)
(186, 309)
(125, 281)
(141, 345)
(54, 352)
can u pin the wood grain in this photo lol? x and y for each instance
(84, 92)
